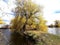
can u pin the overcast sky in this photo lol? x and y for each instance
(5, 10)
(51, 9)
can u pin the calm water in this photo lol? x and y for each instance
(7, 38)
(55, 31)
(4, 36)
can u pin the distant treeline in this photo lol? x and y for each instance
(57, 24)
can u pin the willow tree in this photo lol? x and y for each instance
(26, 14)
(42, 24)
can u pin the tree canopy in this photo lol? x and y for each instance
(28, 17)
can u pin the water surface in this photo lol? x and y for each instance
(55, 31)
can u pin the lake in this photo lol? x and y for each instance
(55, 31)
(6, 37)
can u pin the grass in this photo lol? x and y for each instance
(44, 38)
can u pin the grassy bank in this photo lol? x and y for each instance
(44, 38)
(48, 39)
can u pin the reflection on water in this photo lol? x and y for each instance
(55, 31)
(9, 38)
(4, 36)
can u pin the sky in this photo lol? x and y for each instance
(5, 10)
(51, 9)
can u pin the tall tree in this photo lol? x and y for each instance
(26, 14)
(57, 23)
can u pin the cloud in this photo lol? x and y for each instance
(5, 10)
(49, 11)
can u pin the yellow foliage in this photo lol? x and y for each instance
(1, 21)
(42, 25)
(18, 22)
(33, 26)
(43, 28)
(25, 16)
